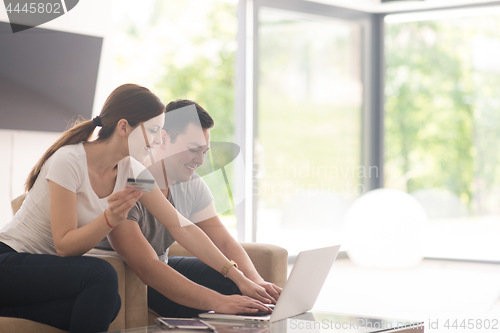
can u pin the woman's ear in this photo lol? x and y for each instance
(123, 128)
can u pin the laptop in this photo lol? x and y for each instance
(300, 291)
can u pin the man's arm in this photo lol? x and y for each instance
(127, 240)
(211, 224)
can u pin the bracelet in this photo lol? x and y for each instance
(106, 218)
(227, 267)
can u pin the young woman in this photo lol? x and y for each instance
(76, 195)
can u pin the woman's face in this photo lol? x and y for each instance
(137, 145)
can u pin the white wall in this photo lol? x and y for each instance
(20, 150)
(5, 176)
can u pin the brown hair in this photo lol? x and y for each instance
(176, 127)
(132, 102)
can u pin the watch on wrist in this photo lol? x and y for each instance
(228, 266)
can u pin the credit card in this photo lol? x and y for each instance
(145, 185)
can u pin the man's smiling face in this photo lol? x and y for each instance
(185, 154)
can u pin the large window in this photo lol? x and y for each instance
(442, 125)
(441, 120)
(308, 147)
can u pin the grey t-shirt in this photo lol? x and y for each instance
(188, 198)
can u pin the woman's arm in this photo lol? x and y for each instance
(198, 243)
(128, 241)
(69, 240)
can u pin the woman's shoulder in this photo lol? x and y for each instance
(66, 167)
(73, 154)
(74, 150)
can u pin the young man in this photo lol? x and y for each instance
(181, 286)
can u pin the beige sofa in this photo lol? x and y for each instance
(269, 260)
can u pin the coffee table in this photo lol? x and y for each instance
(309, 322)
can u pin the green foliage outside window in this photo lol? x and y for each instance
(183, 49)
(442, 111)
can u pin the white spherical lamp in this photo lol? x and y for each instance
(385, 229)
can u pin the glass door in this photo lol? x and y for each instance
(308, 142)
(442, 125)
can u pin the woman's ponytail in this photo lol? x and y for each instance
(81, 131)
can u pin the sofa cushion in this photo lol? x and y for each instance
(18, 325)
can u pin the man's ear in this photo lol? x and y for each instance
(165, 138)
(123, 128)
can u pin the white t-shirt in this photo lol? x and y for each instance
(29, 230)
